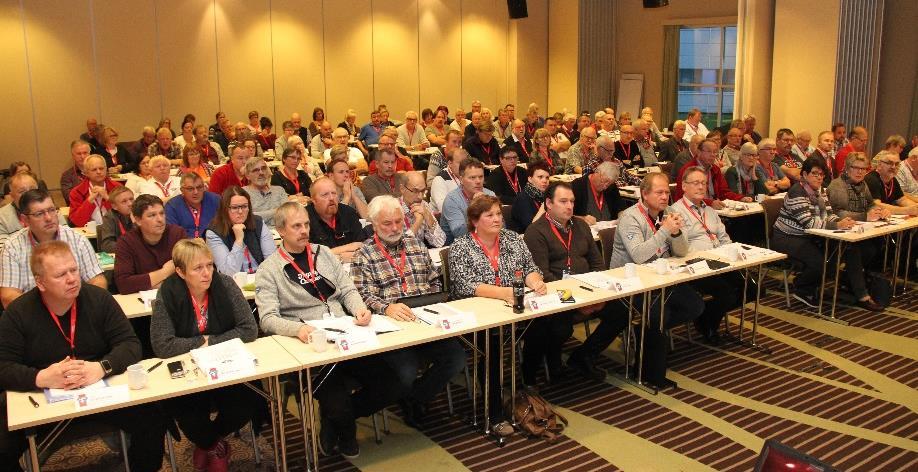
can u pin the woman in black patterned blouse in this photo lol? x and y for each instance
(483, 263)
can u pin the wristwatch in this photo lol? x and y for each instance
(106, 367)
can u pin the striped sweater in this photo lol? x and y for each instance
(803, 210)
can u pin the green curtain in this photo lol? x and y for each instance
(670, 87)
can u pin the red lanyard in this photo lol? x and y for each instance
(770, 171)
(196, 216)
(514, 182)
(487, 150)
(889, 189)
(599, 198)
(295, 180)
(491, 255)
(551, 164)
(114, 154)
(399, 269)
(391, 182)
(248, 258)
(626, 150)
(649, 221)
(525, 151)
(701, 219)
(452, 176)
(466, 197)
(332, 224)
(120, 225)
(530, 129)
(206, 150)
(73, 322)
(567, 246)
(164, 189)
(200, 311)
(312, 268)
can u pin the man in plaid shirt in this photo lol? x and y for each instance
(395, 264)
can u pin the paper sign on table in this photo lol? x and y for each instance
(356, 341)
(628, 284)
(227, 360)
(445, 317)
(54, 395)
(544, 302)
(85, 399)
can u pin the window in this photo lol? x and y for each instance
(707, 73)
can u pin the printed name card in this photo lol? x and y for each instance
(99, 397)
(544, 302)
(700, 267)
(451, 321)
(356, 341)
(628, 284)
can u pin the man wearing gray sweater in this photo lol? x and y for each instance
(646, 233)
(302, 282)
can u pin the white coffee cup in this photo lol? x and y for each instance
(630, 270)
(318, 340)
(662, 266)
(760, 197)
(137, 376)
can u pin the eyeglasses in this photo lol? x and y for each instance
(694, 182)
(859, 168)
(766, 149)
(817, 175)
(260, 169)
(42, 213)
(414, 190)
(239, 208)
(891, 164)
(196, 188)
(607, 149)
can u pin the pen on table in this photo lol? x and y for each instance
(33, 402)
(154, 366)
(428, 310)
(588, 289)
(335, 330)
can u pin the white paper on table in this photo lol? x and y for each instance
(229, 359)
(147, 297)
(86, 399)
(596, 279)
(431, 313)
(382, 324)
(54, 395)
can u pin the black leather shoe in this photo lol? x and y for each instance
(328, 440)
(661, 384)
(714, 338)
(584, 365)
(412, 413)
(869, 304)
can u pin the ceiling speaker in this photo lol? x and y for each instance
(517, 9)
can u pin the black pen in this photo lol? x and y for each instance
(588, 289)
(428, 310)
(335, 330)
(154, 366)
(33, 402)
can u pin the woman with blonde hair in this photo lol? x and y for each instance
(194, 308)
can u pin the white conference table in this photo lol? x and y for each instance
(273, 361)
(866, 231)
(284, 355)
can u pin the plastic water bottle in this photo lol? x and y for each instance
(519, 292)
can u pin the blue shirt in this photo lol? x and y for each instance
(369, 134)
(453, 217)
(776, 168)
(230, 261)
(179, 213)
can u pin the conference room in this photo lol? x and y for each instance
(458, 234)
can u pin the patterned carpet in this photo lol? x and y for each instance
(844, 394)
